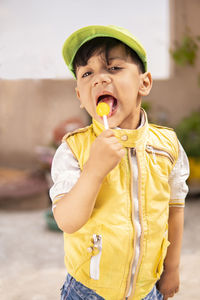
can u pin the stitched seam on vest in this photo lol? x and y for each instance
(68, 135)
(160, 127)
(177, 148)
(80, 130)
(71, 150)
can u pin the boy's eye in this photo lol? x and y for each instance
(114, 68)
(86, 74)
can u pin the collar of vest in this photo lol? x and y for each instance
(130, 138)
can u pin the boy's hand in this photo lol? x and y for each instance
(74, 209)
(106, 152)
(169, 283)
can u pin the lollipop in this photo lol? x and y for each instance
(103, 110)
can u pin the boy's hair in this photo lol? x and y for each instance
(103, 45)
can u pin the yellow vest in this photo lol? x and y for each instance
(100, 255)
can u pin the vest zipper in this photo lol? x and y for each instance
(129, 280)
(153, 151)
(161, 152)
(141, 235)
(95, 259)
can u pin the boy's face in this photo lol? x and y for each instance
(117, 82)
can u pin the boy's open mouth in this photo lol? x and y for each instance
(110, 100)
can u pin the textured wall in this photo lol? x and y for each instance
(178, 96)
(30, 109)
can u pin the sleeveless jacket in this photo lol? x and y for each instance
(100, 254)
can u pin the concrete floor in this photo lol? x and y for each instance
(31, 256)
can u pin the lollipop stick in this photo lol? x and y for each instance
(105, 120)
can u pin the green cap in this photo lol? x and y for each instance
(85, 34)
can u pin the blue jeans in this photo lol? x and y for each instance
(154, 295)
(74, 290)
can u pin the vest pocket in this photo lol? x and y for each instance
(164, 246)
(96, 250)
(159, 152)
(160, 161)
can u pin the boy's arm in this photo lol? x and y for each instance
(74, 209)
(169, 282)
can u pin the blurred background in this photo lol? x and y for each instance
(38, 106)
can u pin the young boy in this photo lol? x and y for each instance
(118, 194)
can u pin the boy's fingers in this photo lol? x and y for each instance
(107, 133)
(176, 290)
(122, 152)
(113, 140)
(168, 295)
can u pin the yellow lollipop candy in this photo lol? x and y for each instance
(103, 110)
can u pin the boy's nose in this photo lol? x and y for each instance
(101, 79)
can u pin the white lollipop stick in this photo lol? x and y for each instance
(105, 120)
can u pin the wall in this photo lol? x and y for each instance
(174, 98)
(30, 109)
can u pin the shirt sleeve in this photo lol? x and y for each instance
(65, 172)
(177, 180)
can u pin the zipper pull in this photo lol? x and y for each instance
(95, 259)
(97, 241)
(96, 244)
(153, 153)
(154, 156)
(133, 151)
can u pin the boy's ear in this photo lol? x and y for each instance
(145, 84)
(79, 97)
(77, 93)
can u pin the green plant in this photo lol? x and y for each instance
(146, 106)
(186, 52)
(188, 132)
(51, 223)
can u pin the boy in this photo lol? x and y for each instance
(118, 194)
